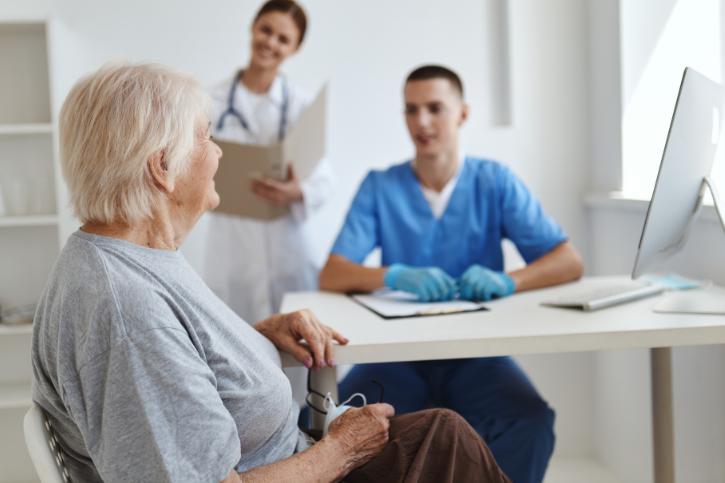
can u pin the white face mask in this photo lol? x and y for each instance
(334, 411)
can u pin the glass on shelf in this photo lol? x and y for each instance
(41, 199)
(20, 196)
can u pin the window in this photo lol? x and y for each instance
(659, 38)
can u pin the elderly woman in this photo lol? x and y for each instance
(144, 373)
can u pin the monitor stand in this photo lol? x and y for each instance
(698, 301)
(719, 204)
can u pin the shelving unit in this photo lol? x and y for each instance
(30, 227)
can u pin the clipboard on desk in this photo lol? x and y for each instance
(241, 163)
(394, 304)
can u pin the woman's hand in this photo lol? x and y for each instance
(361, 433)
(353, 439)
(286, 330)
(278, 193)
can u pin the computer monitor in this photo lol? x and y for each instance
(684, 172)
(682, 180)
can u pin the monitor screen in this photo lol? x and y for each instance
(687, 159)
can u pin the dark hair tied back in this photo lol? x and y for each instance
(289, 7)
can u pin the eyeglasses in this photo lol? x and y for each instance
(311, 392)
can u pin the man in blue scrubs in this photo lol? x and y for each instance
(439, 220)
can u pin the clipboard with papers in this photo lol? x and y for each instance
(241, 163)
(394, 304)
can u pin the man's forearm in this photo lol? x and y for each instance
(562, 264)
(322, 463)
(342, 275)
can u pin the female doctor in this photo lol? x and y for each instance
(250, 263)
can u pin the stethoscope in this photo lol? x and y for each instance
(231, 111)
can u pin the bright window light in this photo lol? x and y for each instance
(659, 39)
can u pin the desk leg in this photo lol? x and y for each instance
(662, 415)
(323, 382)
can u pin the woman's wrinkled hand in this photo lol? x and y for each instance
(361, 433)
(287, 330)
(279, 193)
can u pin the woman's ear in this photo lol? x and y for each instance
(159, 169)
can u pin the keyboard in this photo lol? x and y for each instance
(599, 298)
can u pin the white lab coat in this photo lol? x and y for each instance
(250, 264)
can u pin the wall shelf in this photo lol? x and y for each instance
(36, 220)
(617, 201)
(36, 128)
(15, 395)
(17, 329)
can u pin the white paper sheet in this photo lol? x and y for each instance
(390, 304)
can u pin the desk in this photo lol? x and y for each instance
(519, 325)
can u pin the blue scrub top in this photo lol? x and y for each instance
(488, 204)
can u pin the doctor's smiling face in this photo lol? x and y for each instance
(434, 111)
(275, 36)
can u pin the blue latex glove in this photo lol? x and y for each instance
(430, 284)
(480, 283)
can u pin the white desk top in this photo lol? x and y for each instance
(514, 325)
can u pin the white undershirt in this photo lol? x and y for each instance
(438, 201)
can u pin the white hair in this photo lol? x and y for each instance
(112, 122)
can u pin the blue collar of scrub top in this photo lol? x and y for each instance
(233, 112)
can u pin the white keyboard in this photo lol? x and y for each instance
(600, 298)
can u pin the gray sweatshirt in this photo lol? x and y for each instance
(147, 376)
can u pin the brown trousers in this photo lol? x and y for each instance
(433, 446)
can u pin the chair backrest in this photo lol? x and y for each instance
(43, 447)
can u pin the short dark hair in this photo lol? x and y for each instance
(289, 7)
(436, 72)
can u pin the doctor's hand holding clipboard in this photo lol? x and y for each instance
(251, 263)
(279, 193)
